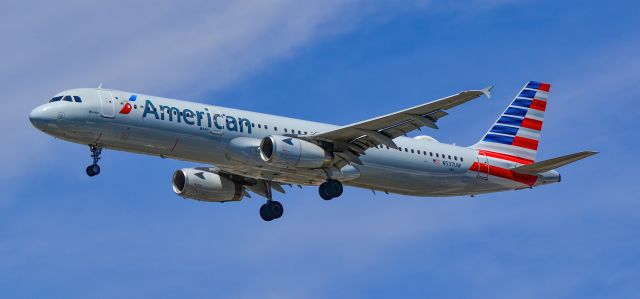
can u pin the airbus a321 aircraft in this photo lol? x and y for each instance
(248, 151)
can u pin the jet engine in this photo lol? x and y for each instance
(289, 152)
(203, 185)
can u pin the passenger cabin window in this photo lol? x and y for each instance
(275, 129)
(461, 160)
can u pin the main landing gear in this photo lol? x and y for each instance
(94, 169)
(330, 189)
(272, 209)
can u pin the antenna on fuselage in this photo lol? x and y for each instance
(100, 86)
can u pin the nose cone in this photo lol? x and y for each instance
(41, 116)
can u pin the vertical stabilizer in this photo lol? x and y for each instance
(515, 135)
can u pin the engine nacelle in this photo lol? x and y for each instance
(203, 185)
(292, 152)
(245, 150)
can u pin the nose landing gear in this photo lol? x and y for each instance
(94, 169)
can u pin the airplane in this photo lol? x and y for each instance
(246, 151)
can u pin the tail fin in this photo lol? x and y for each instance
(514, 136)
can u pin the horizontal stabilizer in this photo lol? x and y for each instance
(546, 165)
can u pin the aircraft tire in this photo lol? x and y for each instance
(322, 190)
(93, 170)
(332, 188)
(271, 210)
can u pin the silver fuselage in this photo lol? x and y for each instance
(202, 133)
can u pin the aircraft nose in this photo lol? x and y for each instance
(41, 115)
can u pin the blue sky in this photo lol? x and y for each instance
(125, 234)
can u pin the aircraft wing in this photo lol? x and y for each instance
(352, 140)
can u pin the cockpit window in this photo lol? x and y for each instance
(76, 99)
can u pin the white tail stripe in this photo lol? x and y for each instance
(535, 114)
(528, 133)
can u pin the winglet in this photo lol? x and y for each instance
(487, 91)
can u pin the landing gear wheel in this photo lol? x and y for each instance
(93, 170)
(322, 190)
(271, 210)
(330, 189)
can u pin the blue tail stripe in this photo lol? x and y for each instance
(508, 120)
(533, 85)
(527, 94)
(522, 103)
(498, 139)
(504, 130)
(516, 111)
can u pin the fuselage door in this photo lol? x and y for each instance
(483, 167)
(107, 103)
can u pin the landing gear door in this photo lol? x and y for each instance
(107, 103)
(483, 167)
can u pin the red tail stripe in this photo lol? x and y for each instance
(504, 173)
(538, 105)
(532, 124)
(525, 142)
(505, 157)
(544, 87)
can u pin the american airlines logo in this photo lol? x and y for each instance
(202, 119)
(126, 109)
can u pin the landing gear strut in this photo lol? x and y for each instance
(330, 189)
(271, 209)
(94, 169)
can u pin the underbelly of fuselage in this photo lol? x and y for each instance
(211, 150)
